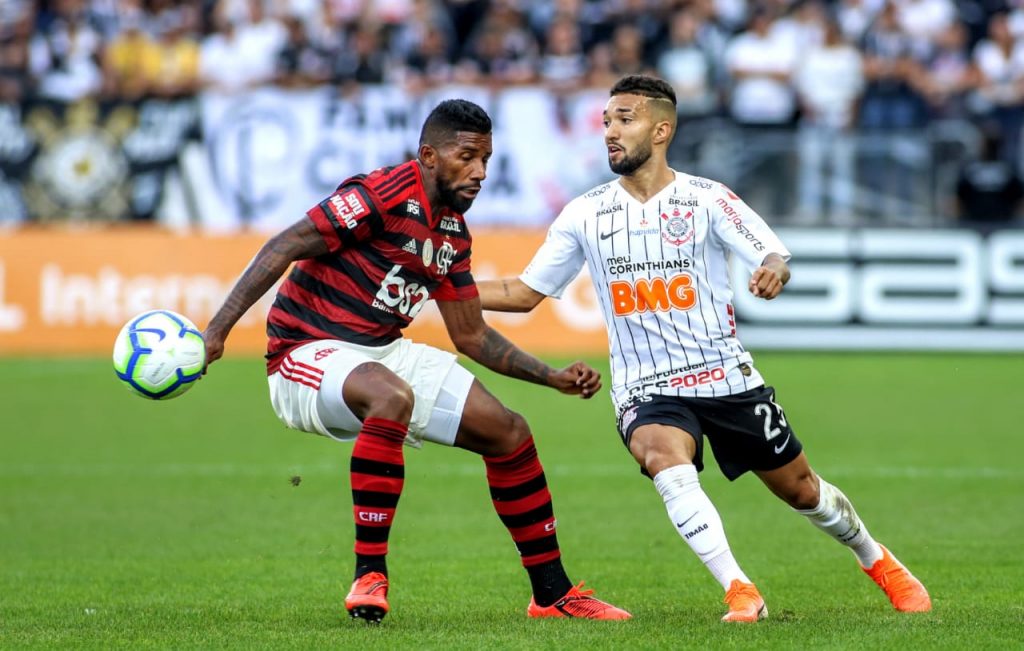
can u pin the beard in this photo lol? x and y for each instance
(451, 198)
(631, 162)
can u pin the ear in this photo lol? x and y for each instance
(428, 156)
(662, 132)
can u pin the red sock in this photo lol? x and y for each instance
(378, 472)
(520, 494)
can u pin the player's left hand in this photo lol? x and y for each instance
(768, 279)
(577, 379)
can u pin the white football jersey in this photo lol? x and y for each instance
(661, 272)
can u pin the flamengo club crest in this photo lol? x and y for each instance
(677, 228)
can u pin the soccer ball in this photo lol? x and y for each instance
(159, 354)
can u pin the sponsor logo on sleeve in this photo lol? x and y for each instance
(597, 192)
(412, 208)
(348, 207)
(735, 217)
(703, 184)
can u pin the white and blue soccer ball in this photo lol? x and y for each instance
(159, 354)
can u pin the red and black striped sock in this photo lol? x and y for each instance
(520, 494)
(378, 472)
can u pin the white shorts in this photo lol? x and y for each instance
(305, 391)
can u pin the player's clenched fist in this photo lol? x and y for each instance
(577, 379)
(768, 279)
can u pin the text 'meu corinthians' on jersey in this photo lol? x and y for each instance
(387, 256)
(661, 272)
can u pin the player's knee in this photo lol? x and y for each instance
(803, 493)
(520, 430)
(393, 401)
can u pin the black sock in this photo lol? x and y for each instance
(550, 582)
(366, 564)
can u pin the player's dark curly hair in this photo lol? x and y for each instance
(451, 116)
(645, 86)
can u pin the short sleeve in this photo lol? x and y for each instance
(743, 231)
(559, 260)
(347, 217)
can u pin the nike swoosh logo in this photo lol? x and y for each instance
(605, 236)
(683, 523)
(780, 448)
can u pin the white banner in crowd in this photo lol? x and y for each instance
(271, 154)
(883, 289)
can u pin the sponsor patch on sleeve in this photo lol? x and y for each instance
(348, 207)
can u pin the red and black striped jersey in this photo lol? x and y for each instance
(387, 256)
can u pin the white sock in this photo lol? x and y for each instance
(835, 516)
(697, 521)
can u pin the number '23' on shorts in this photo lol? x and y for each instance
(747, 431)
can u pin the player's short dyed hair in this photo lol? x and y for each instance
(452, 116)
(645, 86)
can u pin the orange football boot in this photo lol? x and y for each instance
(745, 603)
(368, 598)
(577, 603)
(906, 593)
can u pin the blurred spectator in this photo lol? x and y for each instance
(430, 61)
(761, 66)
(501, 49)
(131, 63)
(989, 191)
(688, 67)
(854, 16)
(829, 82)
(242, 51)
(949, 74)
(763, 102)
(179, 54)
(1000, 92)
(628, 51)
(890, 100)
(365, 61)
(563, 64)
(924, 20)
(300, 62)
(15, 84)
(804, 25)
(63, 54)
(600, 74)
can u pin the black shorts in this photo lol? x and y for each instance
(747, 431)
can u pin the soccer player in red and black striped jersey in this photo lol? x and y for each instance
(368, 258)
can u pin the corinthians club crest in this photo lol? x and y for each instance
(677, 228)
(80, 172)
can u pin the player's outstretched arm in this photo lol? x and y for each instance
(767, 280)
(508, 295)
(482, 343)
(298, 241)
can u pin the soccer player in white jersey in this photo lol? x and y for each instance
(657, 244)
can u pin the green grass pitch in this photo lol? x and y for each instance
(126, 523)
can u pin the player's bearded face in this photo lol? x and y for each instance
(449, 190)
(632, 158)
(462, 170)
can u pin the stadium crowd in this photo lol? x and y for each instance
(822, 72)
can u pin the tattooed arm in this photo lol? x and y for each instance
(298, 241)
(485, 345)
